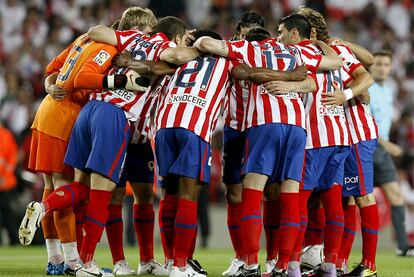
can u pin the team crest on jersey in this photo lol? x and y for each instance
(102, 57)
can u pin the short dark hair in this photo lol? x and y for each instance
(257, 34)
(171, 26)
(250, 19)
(383, 52)
(299, 22)
(205, 32)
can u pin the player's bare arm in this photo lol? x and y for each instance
(179, 55)
(103, 34)
(143, 67)
(282, 87)
(212, 46)
(53, 90)
(362, 54)
(330, 59)
(365, 97)
(362, 81)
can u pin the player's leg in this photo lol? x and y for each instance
(385, 175)
(53, 244)
(349, 207)
(271, 220)
(65, 224)
(289, 173)
(316, 221)
(233, 160)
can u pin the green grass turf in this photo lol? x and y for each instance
(30, 261)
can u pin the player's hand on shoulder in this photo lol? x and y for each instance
(188, 37)
(136, 82)
(335, 41)
(56, 92)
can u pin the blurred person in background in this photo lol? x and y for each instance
(385, 173)
(406, 175)
(8, 162)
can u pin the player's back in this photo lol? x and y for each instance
(81, 49)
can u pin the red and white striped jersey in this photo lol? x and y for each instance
(262, 107)
(326, 126)
(361, 123)
(195, 94)
(137, 106)
(235, 105)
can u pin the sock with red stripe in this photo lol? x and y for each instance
(66, 196)
(185, 230)
(251, 224)
(316, 226)
(271, 220)
(303, 216)
(94, 222)
(166, 220)
(144, 217)
(369, 228)
(332, 202)
(79, 211)
(289, 227)
(348, 236)
(233, 224)
(115, 232)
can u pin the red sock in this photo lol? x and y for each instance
(348, 236)
(271, 220)
(233, 224)
(289, 227)
(66, 196)
(115, 232)
(79, 211)
(316, 226)
(369, 228)
(144, 217)
(94, 222)
(251, 224)
(185, 230)
(303, 211)
(166, 220)
(332, 202)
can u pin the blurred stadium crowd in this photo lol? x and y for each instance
(35, 31)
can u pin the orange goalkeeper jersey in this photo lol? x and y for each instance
(56, 118)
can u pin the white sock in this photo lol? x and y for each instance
(54, 252)
(294, 265)
(70, 252)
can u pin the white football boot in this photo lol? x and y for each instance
(154, 268)
(31, 221)
(188, 272)
(91, 269)
(234, 266)
(122, 268)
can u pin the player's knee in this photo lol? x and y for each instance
(348, 201)
(144, 195)
(233, 194)
(393, 193)
(118, 196)
(365, 200)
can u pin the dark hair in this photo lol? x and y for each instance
(250, 19)
(115, 25)
(383, 52)
(299, 22)
(171, 26)
(257, 34)
(206, 32)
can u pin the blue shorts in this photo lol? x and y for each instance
(99, 140)
(181, 152)
(324, 167)
(234, 142)
(139, 164)
(359, 169)
(275, 150)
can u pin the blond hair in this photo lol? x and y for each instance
(137, 17)
(317, 22)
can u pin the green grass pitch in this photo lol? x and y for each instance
(31, 261)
